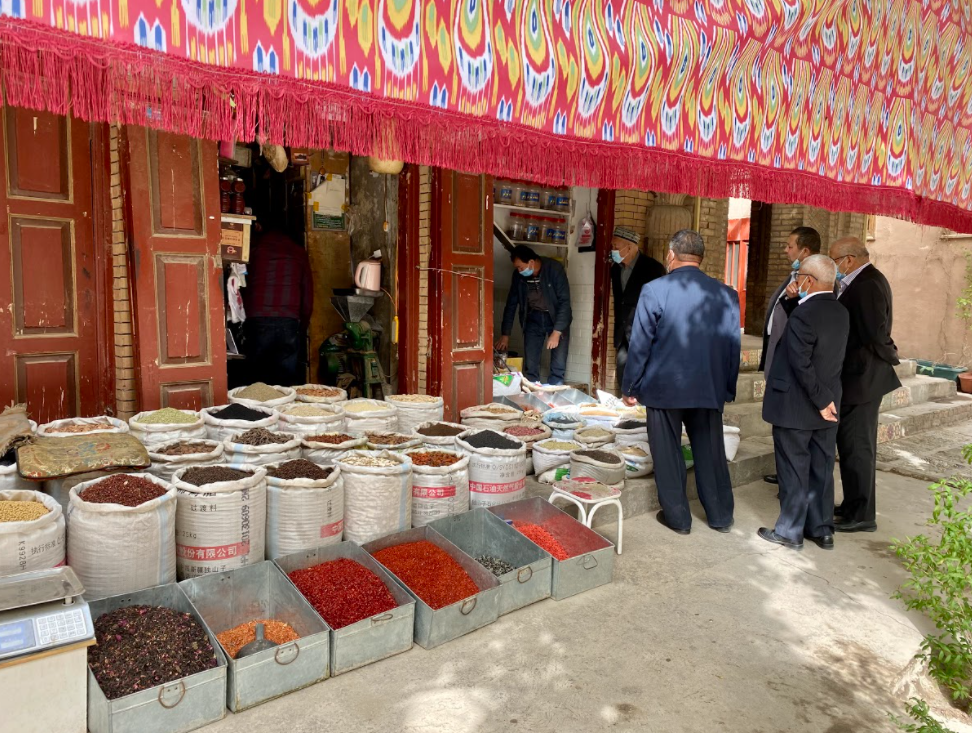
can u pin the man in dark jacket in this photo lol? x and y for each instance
(683, 362)
(631, 271)
(867, 376)
(803, 399)
(802, 242)
(542, 294)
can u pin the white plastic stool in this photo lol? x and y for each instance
(588, 503)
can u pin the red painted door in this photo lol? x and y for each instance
(48, 268)
(174, 212)
(461, 291)
(737, 261)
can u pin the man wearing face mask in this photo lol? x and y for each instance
(631, 271)
(802, 243)
(542, 294)
(867, 376)
(803, 399)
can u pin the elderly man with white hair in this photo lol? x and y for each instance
(802, 402)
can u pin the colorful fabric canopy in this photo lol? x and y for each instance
(845, 104)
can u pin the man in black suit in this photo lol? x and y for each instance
(631, 271)
(802, 401)
(867, 376)
(683, 362)
(802, 242)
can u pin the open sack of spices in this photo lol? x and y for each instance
(305, 506)
(362, 415)
(594, 436)
(320, 393)
(553, 452)
(82, 426)
(377, 494)
(497, 467)
(165, 425)
(637, 458)
(415, 409)
(440, 484)
(31, 532)
(121, 533)
(259, 394)
(628, 430)
(310, 418)
(562, 424)
(492, 415)
(391, 441)
(259, 446)
(606, 466)
(440, 434)
(226, 420)
(325, 448)
(168, 458)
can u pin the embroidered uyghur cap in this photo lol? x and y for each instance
(629, 235)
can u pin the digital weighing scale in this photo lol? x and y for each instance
(45, 630)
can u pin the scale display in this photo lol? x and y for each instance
(16, 637)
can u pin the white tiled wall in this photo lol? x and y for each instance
(580, 272)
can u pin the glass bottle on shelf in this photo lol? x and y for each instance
(516, 227)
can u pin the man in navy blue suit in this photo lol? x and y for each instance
(683, 362)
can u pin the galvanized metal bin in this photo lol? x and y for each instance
(523, 402)
(371, 639)
(592, 557)
(226, 600)
(176, 707)
(479, 532)
(434, 627)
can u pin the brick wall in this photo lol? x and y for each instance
(714, 227)
(124, 340)
(425, 252)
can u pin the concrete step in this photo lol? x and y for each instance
(748, 417)
(907, 368)
(750, 387)
(752, 350)
(915, 419)
(753, 461)
(917, 389)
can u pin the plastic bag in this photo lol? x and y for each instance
(304, 513)
(731, 436)
(37, 544)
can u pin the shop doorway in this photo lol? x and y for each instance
(51, 331)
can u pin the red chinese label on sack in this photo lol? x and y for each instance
(222, 552)
(433, 492)
(335, 528)
(478, 487)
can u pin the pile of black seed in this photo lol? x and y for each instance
(561, 420)
(202, 475)
(601, 456)
(140, 647)
(8, 459)
(492, 439)
(631, 425)
(240, 412)
(494, 565)
(299, 468)
(441, 430)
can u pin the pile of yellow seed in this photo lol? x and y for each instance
(415, 398)
(308, 409)
(21, 511)
(168, 416)
(356, 406)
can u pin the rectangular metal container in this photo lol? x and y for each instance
(592, 560)
(479, 532)
(555, 400)
(523, 402)
(176, 707)
(370, 639)
(226, 600)
(434, 627)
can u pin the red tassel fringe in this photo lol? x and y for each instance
(50, 69)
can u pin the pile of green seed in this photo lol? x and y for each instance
(167, 416)
(260, 392)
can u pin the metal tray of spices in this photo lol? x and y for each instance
(479, 532)
(175, 707)
(371, 639)
(437, 626)
(592, 557)
(226, 600)
(523, 402)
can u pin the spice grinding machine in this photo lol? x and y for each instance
(354, 351)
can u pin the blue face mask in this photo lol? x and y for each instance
(527, 272)
(616, 256)
(795, 264)
(840, 276)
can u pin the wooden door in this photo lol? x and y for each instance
(173, 201)
(461, 299)
(50, 273)
(737, 261)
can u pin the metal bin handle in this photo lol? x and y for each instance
(375, 620)
(164, 691)
(590, 562)
(471, 602)
(282, 655)
(529, 574)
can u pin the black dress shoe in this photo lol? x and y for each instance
(725, 529)
(838, 511)
(824, 542)
(770, 536)
(853, 525)
(771, 479)
(661, 520)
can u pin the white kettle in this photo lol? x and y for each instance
(367, 275)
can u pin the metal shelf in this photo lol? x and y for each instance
(536, 212)
(538, 244)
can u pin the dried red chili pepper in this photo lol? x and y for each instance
(429, 571)
(542, 537)
(343, 591)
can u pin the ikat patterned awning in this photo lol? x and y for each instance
(844, 104)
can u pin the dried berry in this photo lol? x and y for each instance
(279, 632)
(523, 431)
(429, 571)
(542, 537)
(123, 489)
(343, 591)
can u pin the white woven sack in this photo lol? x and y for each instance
(164, 466)
(11, 480)
(445, 442)
(544, 458)
(59, 489)
(342, 397)
(241, 455)
(383, 420)
(582, 437)
(119, 549)
(483, 416)
(34, 545)
(377, 500)
(326, 454)
(553, 475)
(636, 467)
(607, 473)
(151, 434)
(304, 513)
(220, 526)
(289, 395)
(730, 437)
(413, 414)
(439, 492)
(606, 421)
(562, 431)
(496, 475)
(51, 428)
(628, 437)
(217, 429)
(331, 421)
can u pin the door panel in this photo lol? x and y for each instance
(173, 182)
(49, 265)
(461, 302)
